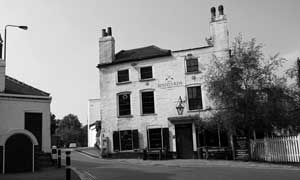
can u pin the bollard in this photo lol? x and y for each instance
(59, 158)
(160, 154)
(144, 154)
(54, 155)
(68, 164)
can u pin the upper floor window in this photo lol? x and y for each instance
(124, 104)
(194, 97)
(148, 102)
(191, 64)
(123, 75)
(146, 72)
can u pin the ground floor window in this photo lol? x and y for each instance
(212, 137)
(125, 140)
(158, 138)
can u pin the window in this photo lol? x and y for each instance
(125, 140)
(124, 104)
(158, 138)
(146, 72)
(147, 102)
(194, 97)
(123, 76)
(212, 136)
(192, 64)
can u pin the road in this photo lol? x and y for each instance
(129, 170)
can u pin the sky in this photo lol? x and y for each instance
(59, 52)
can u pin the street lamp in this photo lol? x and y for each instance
(180, 106)
(21, 27)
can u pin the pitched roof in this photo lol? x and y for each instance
(138, 54)
(13, 86)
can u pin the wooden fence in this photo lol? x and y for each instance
(279, 149)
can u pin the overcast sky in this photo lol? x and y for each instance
(59, 51)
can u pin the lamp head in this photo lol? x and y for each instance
(23, 27)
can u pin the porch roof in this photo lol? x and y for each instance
(184, 119)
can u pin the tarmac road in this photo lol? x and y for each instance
(103, 169)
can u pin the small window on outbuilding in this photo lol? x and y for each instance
(123, 76)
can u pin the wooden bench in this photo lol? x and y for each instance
(158, 154)
(208, 152)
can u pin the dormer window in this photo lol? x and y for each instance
(123, 76)
(146, 73)
(191, 64)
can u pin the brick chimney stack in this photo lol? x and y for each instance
(106, 47)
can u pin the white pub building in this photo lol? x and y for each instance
(151, 97)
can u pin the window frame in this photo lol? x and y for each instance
(134, 145)
(145, 79)
(141, 101)
(188, 58)
(118, 104)
(123, 82)
(164, 138)
(188, 99)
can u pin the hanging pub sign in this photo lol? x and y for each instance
(241, 147)
(170, 83)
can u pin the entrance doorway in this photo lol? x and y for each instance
(184, 141)
(18, 153)
(33, 123)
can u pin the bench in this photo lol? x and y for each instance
(211, 152)
(158, 154)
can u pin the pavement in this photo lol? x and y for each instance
(51, 173)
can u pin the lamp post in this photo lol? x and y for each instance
(5, 36)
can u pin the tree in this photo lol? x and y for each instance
(246, 90)
(69, 129)
(54, 122)
(84, 136)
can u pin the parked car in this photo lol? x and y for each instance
(72, 145)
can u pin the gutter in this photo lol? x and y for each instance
(25, 96)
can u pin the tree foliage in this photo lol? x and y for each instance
(247, 90)
(53, 124)
(69, 129)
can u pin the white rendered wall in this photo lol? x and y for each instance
(93, 116)
(12, 116)
(165, 98)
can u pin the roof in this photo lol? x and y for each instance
(138, 54)
(13, 86)
(191, 49)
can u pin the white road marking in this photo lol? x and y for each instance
(86, 155)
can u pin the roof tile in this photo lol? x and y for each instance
(13, 86)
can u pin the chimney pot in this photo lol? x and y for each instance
(104, 33)
(109, 32)
(213, 12)
(221, 10)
